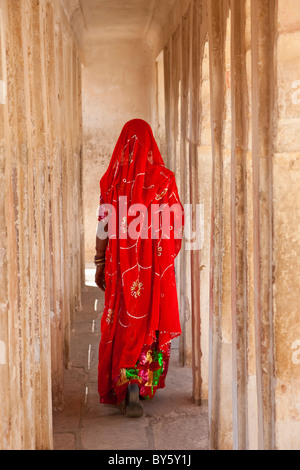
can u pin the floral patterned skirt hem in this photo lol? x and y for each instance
(149, 373)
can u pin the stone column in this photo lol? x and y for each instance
(286, 234)
(185, 185)
(34, 209)
(239, 293)
(5, 437)
(21, 157)
(263, 88)
(51, 45)
(200, 185)
(167, 90)
(220, 337)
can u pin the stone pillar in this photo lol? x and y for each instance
(55, 182)
(183, 57)
(33, 324)
(192, 183)
(176, 77)
(167, 97)
(35, 277)
(239, 286)
(254, 87)
(199, 184)
(220, 336)
(204, 187)
(286, 234)
(263, 89)
(185, 184)
(5, 436)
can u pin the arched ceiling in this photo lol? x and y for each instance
(109, 20)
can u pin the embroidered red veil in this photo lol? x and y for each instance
(140, 295)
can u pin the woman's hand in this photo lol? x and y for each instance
(100, 262)
(100, 277)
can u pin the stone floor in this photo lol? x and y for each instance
(170, 422)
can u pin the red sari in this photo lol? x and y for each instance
(140, 316)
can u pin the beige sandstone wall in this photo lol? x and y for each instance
(41, 215)
(188, 141)
(252, 380)
(118, 80)
(231, 83)
(231, 89)
(286, 201)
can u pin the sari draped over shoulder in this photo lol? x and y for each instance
(141, 315)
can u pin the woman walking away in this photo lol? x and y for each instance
(139, 235)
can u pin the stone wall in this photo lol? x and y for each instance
(188, 143)
(118, 85)
(286, 235)
(229, 88)
(229, 92)
(239, 160)
(41, 230)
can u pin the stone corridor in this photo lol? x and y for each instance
(219, 83)
(170, 422)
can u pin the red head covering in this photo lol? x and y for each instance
(140, 296)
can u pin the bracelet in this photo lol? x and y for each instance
(100, 264)
(99, 261)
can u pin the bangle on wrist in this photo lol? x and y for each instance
(99, 261)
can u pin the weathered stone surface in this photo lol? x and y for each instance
(123, 96)
(64, 441)
(94, 410)
(286, 167)
(170, 437)
(114, 432)
(225, 91)
(242, 301)
(40, 142)
(67, 419)
(94, 426)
